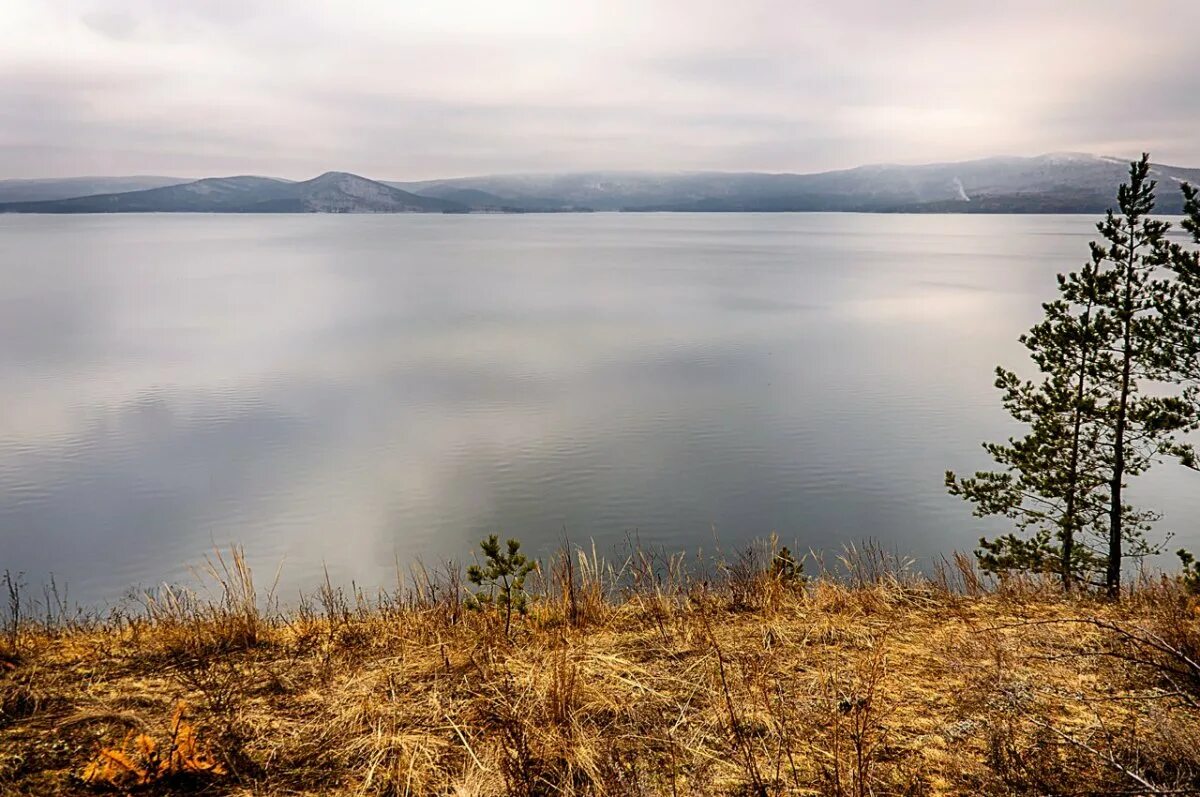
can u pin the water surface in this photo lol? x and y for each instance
(357, 390)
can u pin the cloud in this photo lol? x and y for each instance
(417, 90)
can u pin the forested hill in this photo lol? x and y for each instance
(1057, 183)
(1060, 183)
(332, 192)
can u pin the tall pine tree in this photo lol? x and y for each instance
(1091, 424)
(1182, 303)
(1143, 426)
(1182, 307)
(1051, 485)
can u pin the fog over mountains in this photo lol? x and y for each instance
(1056, 183)
(66, 187)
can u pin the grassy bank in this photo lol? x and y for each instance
(639, 677)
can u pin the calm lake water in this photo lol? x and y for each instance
(356, 390)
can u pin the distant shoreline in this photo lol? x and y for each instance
(1049, 184)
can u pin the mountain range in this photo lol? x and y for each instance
(1056, 183)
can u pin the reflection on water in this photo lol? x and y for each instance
(353, 390)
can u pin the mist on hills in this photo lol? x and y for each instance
(1055, 183)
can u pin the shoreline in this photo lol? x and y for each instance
(634, 678)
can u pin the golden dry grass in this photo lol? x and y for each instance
(636, 679)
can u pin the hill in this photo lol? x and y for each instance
(332, 192)
(1056, 183)
(478, 199)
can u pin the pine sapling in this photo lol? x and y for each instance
(501, 578)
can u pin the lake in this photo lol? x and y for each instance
(353, 391)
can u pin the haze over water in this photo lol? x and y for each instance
(357, 390)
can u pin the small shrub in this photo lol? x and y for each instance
(502, 578)
(1190, 573)
(785, 568)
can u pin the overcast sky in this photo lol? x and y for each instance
(405, 89)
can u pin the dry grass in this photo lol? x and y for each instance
(638, 677)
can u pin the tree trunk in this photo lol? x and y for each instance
(1112, 579)
(1070, 520)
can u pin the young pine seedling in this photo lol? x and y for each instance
(502, 578)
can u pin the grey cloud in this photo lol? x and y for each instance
(410, 91)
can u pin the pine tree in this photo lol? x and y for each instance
(1049, 486)
(1181, 306)
(1182, 303)
(1129, 302)
(1090, 425)
(502, 578)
